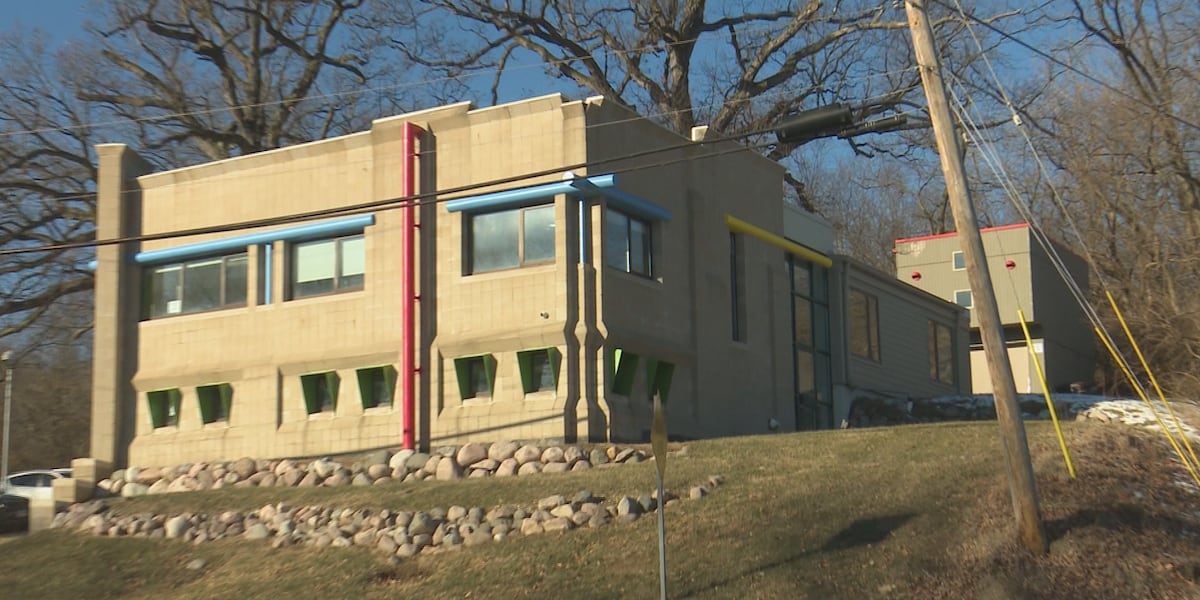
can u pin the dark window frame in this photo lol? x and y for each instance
(647, 265)
(970, 298)
(872, 350)
(941, 360)
(226, 294)
(470, 236)
(342, 282)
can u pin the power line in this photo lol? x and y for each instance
(1088, 76)
(420, 199)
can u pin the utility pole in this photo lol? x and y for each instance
(6, 366)
(1012, 428)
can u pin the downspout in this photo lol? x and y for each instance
(408, 369)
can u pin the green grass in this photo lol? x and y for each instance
(840, 514)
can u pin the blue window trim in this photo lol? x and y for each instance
(604, 185)
(308, 231)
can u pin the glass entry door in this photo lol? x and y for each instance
(810, 344)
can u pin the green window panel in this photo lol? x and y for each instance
(164, 407)
(539, 369)
(320, 391)
(215, 401)
(476, 375)
(658, 378)
(625, 366)
(376, 386)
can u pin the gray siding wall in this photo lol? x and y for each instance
(904, 315)
(1070, 343)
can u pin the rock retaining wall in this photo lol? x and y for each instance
(499, 459)
(396, 532)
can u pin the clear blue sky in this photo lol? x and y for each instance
(59, 18)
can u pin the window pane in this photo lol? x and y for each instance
(960, 262)
(541, 372)
(494, 241)
(859, 341)
(353, 256)
(616, 240)
(945, 355)
(800, 277)
(380, 391)
(539, 234)
(639, 247)
(235, 281)
(963, 298)
(821, 327)
(480, 386)
(805, 379)
(202, 285)
(164, 291)
(803, 316)
(315, 261)
(820, 284)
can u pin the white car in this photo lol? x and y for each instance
(34, 484)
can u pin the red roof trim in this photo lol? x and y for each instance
(939, 236)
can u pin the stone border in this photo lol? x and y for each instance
(499, 459)
(398, 533)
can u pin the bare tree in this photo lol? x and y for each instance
(184, 81)
(1129, 160)
(734, 68)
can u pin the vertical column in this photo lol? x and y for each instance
(114, 354)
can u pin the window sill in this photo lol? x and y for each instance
(217, 425)
(541, 396)
(165, 429)
(478, 401)
(650, 281)
(379, 410)
(322, 416)
(197, 313)
(326, 297)
(522, 271)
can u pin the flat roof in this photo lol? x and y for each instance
(922, 238)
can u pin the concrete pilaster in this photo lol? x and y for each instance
(114, 362)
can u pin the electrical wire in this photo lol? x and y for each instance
(421, 199)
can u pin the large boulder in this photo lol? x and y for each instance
(470, 454)
(501, 451)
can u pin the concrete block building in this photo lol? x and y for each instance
(532, 270)
(1023, 277)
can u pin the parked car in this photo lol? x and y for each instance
(34, 484)
(14, 513)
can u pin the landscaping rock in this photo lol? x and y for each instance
(527, 454)
(257, 532)
(244, 467)
(553, 454)
(378, 457)
(558, 525)
(470, 454)
(501, 451)
(572, 454)
(416, 461)
(556, 467)
(378, 470)
(448, 470)
(507, 467)
(528, 468)
(597, 456)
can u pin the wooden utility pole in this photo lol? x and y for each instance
(1012, 428)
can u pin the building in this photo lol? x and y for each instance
(1025, 278)
(567, 259)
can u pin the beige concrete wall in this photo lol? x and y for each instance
(1025, 376)
(683, 313)
(904, 316)
(932, 258)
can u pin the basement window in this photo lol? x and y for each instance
(320, 392)
(625, 366)
(539, 369)
(164, 407)
(658, 378)
(377, 386)
(214, 402)
(476, 376)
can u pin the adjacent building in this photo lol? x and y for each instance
(1023, 277)
(532, 270)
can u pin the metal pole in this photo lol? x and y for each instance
(8, 377)
(662, 540)
(1021, 481)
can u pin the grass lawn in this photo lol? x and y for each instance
(902, 512)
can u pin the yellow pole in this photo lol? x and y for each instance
(1037, 364)
(1153, 380)
(1142, 393)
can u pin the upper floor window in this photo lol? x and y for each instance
(627, 243)
(964, 298)
(864, 325)
(327, 266)
(512, 238)
(196, 286)
(941, 353)
(959, 263)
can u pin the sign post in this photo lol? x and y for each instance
(658, 439)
